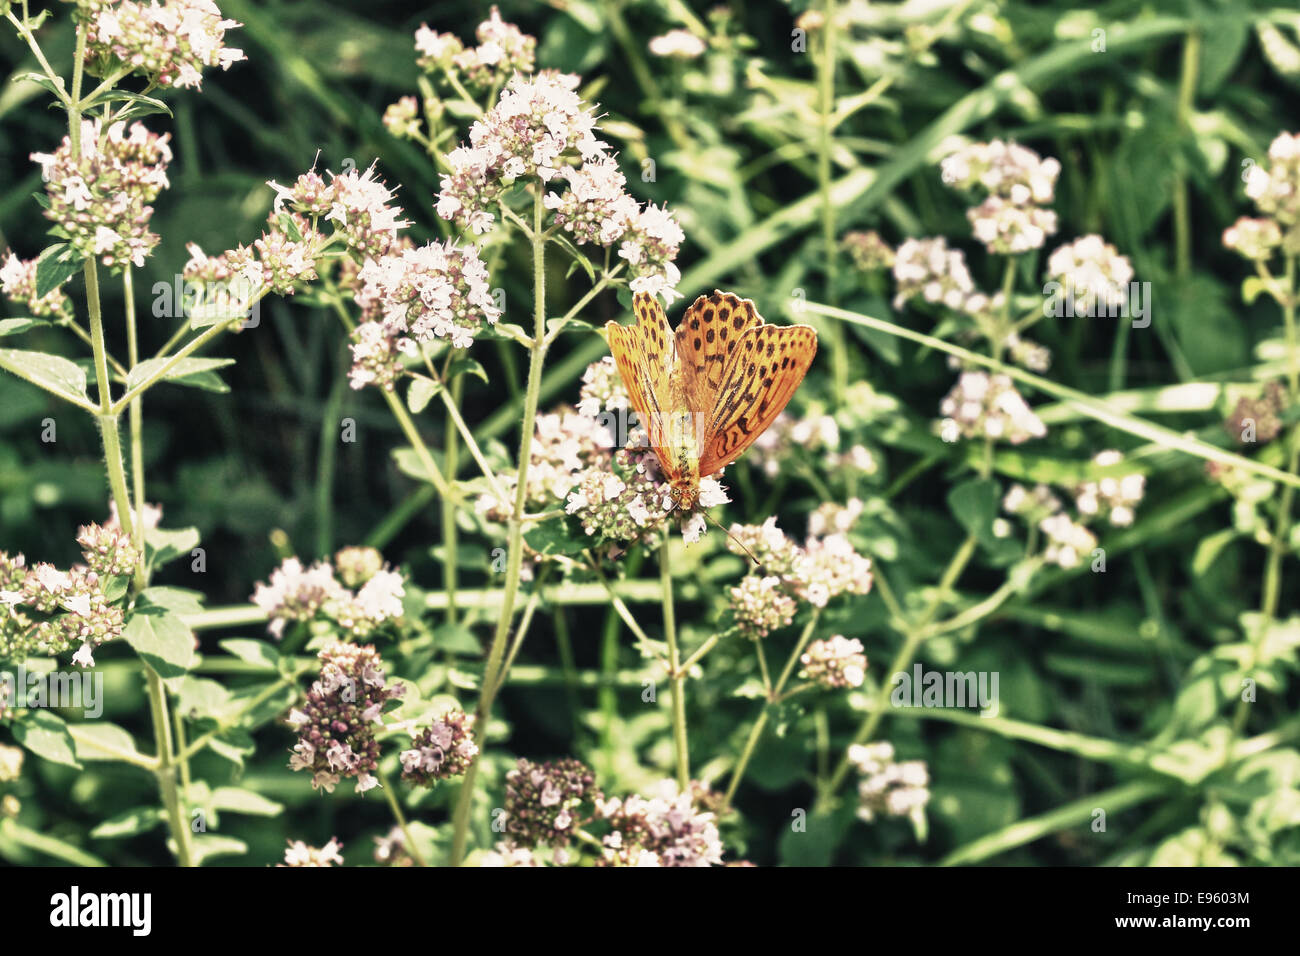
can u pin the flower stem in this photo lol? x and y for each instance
(675, 676)
(1272, 588)
(492, 676)
(457, 422)
(166, 770)
(451, 458)
(773, 696)
(113, 463)
(903, 659)
(645, 79)
(1186, 103)
(431, 469)
(400, 817)
(826, 139)
(137, 427)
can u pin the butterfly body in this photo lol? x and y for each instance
(705, 392)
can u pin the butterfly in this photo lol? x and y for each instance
(706, 392)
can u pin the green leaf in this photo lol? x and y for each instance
(554, 326)
(129, 823)
(409, 462)
(975, 504)
(46, 735)
(141, 105)
(14, 832)
(18, 326)
(208, 845)
(199, 697)
(463, 365)
(1209, 549)
(579, 256)
(104, 741)
(57, 375)
(503, 330)
(234, 745)
(165, 545)
(194, 372)
(40, 79)
(228, 309)
(54, 266)
(289, 227)
(158, 633)
(456, 639)
(237, 800)
(557, 536)
(1253, 286)
(811, 839)
(252, 651)
(421, 392)
(1222, 43)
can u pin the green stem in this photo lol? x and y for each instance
(195, 746)
(451, 458)
(826, 102)
(521, 632)
(327, 458)
(1094, 408)
(903, 659)
(27, 35)
(1186, 102)
(400, 817)
(675, 676)
(1278, 543)
(166, 771)
(113, 462)
(157, 374)
(645, 79)
(136, 411)
(431, 469)
(458, 424)
(107, 418)
(703, 649)
(773, 695)
(1072, 814)
(492, 678)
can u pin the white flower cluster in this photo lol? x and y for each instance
(541, 127)
(1019, 183)
(824, 567)
(981, 405)
(297, 593)
(171, 42)
(835, 663)
(1275, 189)
(677, 44)
(538, 121)
(927, 267)
(664, 830)
(1114, 498)
(1067, 540)
(438, 290)
(503, 49)
(1092, 273)
(893, 788)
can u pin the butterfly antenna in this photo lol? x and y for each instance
(739, 543)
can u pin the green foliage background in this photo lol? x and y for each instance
(1118, 689)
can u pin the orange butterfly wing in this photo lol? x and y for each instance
(709, 333)
(762, 373)
(645, 363)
